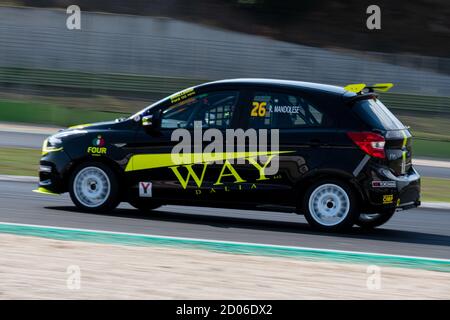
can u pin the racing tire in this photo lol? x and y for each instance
(373, 220)
(93, 187)
(330, 205)
(144, 206)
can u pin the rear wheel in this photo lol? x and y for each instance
(330, 205)
(373, 220)
(93, 187)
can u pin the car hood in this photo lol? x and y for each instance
(96, 125)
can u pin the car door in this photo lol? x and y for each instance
(176, 170)
(303, 127)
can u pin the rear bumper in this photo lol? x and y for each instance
(408, 205)
(387, 192)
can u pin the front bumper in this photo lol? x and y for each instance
(51, 172)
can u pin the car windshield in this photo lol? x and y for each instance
(146, 110)
(377, 115)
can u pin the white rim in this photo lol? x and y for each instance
(329, 204)
(91, 187)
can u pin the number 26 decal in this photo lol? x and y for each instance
(259, 109)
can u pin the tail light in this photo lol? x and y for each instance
(369, 142)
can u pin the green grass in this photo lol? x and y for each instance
(19, 161)
(435, 189)
(426, 125)
(48, 113)
(431, 149)
(25, 162)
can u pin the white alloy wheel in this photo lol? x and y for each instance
(329, 204)
(91, 187)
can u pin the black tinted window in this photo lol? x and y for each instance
(213, 110)
(376, 115)
(284, 111)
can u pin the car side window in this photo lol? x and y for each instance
(213, 109)
(284, 111)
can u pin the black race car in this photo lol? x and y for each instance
(343, 157)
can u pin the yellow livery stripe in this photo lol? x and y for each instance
(405, 138)
(81, 126)
(44, 191)
(152, 161)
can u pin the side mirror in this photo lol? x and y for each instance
(153, 121)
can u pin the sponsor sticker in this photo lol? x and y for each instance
(145, 189)
(384, 184)
(99, 141)
(286, 109)
(98, 146)
(182, 95)
(388, 198)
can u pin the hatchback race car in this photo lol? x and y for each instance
(343, 157)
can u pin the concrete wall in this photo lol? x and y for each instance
(38, 38)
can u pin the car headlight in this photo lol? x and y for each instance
(51, 144)
(54, 143)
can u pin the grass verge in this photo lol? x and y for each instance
(25, 162)
(435, 189)
(19, 161)
(48, 113)
(431, 149)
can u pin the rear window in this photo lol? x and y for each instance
(376, 115)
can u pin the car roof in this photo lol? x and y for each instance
(278, 83)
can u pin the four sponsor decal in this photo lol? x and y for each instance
(97, 147)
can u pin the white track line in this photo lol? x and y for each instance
(11, 178)
(261, 245)
(432, 163)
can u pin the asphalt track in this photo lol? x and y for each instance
(417, 232)
(21, 140)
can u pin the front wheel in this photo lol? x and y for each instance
(93, 187)
(373, 220)
(330, 205)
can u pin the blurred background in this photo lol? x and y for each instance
(129, 54)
